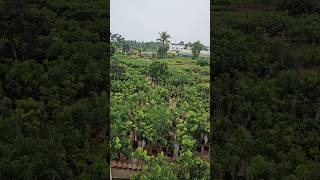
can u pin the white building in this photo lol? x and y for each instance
(176, 47)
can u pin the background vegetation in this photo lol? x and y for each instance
(266, 89)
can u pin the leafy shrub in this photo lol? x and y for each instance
(171, 55)
(203, 62)
(158, 71)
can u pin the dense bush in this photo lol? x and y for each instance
(203, 62)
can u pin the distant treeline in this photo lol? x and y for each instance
(144, 46)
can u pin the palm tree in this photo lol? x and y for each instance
(196, 48)
(164, 38)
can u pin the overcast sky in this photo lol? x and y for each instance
(141, 20)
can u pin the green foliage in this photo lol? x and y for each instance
(260, 168)
(164, 39)
(171, 55)
(196, 48)
(203, 62)
(158, 169)
(53, 90)
(26, 31)
(265, 87)
(188, 166)
(141, 154)
(125, 48)
(144, 46)
(149, 104)
(192, 167)
(158, 71)
(162, 51)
